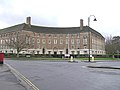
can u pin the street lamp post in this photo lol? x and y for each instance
(89, 33)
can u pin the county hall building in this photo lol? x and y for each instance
(55, 40)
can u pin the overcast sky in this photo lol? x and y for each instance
(63, 13)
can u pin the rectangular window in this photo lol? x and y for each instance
(85, 41)
(8, 40)
(67, 35)
(44, 35)
(33, 40)
(78, 52)
(55, 36)
(72, 35)
(72, 41)
(15, 39)
(49, 41)
(27, 40)
(78, 35)
(61, 41)
(1, 41)
(73, 52)
(72, 46)
(85, 52)
(38, 52)
(49, 52)
(38, 45)
(61, 35)
(55, 41)
(43, 41)
(85, 47)
(38, 40)
(66, 41)
(49, 36)
(61, 52)
(78, 41)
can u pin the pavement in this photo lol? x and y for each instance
(10, 79)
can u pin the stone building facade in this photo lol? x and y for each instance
(55, 40)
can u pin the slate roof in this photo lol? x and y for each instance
(55, 30)
(86, 29)
(49, 30)
(14, 28)
(62, 30)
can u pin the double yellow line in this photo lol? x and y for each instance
(28, 84)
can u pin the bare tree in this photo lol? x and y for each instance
(112, 45)
(109, 46)
(19, 41)
(116, 42)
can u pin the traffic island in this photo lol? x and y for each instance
(104, 67)
(72, 60)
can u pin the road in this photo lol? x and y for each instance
(48, 75)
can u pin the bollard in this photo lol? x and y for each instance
(71, 59)
(1, 58)
(92, 59)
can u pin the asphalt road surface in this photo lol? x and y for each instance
(48, 75)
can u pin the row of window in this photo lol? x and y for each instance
(57, 35)
(49, 52)
(60, 52)
(61, 41)
(43, 35)
(95, 52)
(55, 41)
(4, 47)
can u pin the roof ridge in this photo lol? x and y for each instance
(54, 27)
(13, 25)
(13, 28)
(93, 30)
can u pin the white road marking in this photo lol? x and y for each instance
(23, 79)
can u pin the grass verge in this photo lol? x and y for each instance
(39, 58)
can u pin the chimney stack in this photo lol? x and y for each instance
(28, 21)
(81, 24)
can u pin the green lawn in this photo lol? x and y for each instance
(39, 58)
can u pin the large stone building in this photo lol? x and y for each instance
(55, 40)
